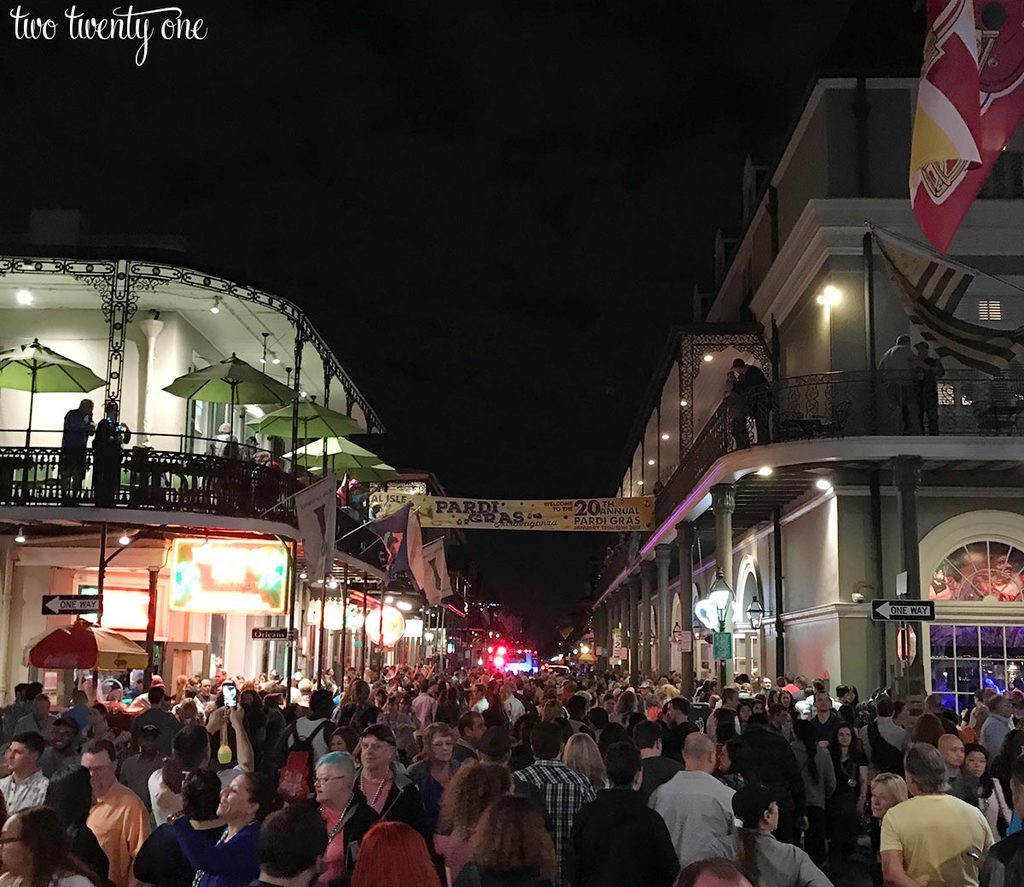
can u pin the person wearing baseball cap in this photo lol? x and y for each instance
(137, 769)
(756, 852)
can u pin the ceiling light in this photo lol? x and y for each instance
(765, 471)
(665, 436)
(333, 583)
(303, 394)
(823, 484)
(404, 606)
(684, 403)
(274, 359)
(215, 307)
(639, 483)
(21, 535)
(303, 575)
(650, 461)
(389, 599)
(124, 539)
(829, 296)
(708, 358)
(24, 297)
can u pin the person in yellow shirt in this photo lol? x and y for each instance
(118, 818)
(933, 839)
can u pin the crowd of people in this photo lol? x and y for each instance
(475, 779)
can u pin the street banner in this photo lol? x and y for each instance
(388, 498)
(618, 650)
(970, 100)
(403, 542)
(438, 585)
(316, 510)
(593, 515)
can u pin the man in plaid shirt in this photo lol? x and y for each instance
(564, 790)
(26, 786)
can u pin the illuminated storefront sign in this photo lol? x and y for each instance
(124, 609)
(229, 576)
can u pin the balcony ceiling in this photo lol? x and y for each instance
(237, 327)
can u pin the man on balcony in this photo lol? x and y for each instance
(748, 397)
(78, 428)
(899, 367)
(929, 371)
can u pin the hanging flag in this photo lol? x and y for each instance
(438, 585)
(403, 542)
(316, 509)
(930, 288)
(970, 100)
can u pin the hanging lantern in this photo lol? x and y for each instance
(384, 626)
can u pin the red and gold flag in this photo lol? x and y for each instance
(970, 101)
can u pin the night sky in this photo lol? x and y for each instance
(492, 210)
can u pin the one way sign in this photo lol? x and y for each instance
(903, 611)
(67, 604)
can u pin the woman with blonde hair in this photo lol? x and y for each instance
(887, 790)
(582, 755)
(468, 795)
(511, 847)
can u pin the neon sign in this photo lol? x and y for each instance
(229, 576)
(124, 609)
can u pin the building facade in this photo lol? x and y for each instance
(838, 495)
(195, 534)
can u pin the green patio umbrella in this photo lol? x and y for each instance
(315, 420)
(372, 474)
(338, 454)
(37, 369)
(232, 381)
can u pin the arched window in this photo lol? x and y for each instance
(985, 570)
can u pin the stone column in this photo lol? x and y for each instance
(646, 587)
(662, 556)
(684, 545)
(632, 606)
(723, 503)
(906, 472)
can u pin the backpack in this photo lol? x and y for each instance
(295, 779)
(885, 757)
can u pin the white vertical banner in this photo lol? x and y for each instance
(316, 510)
(437, 584)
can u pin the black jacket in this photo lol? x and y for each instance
(85, 846)
(777, 767)
(359, 819)
(1004, 865)
(606, 835)
(472, 876)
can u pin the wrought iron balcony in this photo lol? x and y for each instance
(146, 479)
(962, 403)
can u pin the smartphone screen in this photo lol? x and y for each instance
(230, 692)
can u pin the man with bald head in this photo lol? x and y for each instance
(962, 784)
(696, 807)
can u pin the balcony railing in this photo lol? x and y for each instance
(146, 479)
(847, 404)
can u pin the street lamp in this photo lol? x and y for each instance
(720, 597)
(755, 612)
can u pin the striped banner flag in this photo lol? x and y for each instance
(931, 287)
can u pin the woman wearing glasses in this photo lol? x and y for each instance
(345, 813)
(35, 850)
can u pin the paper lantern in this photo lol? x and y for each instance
(384, 626)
